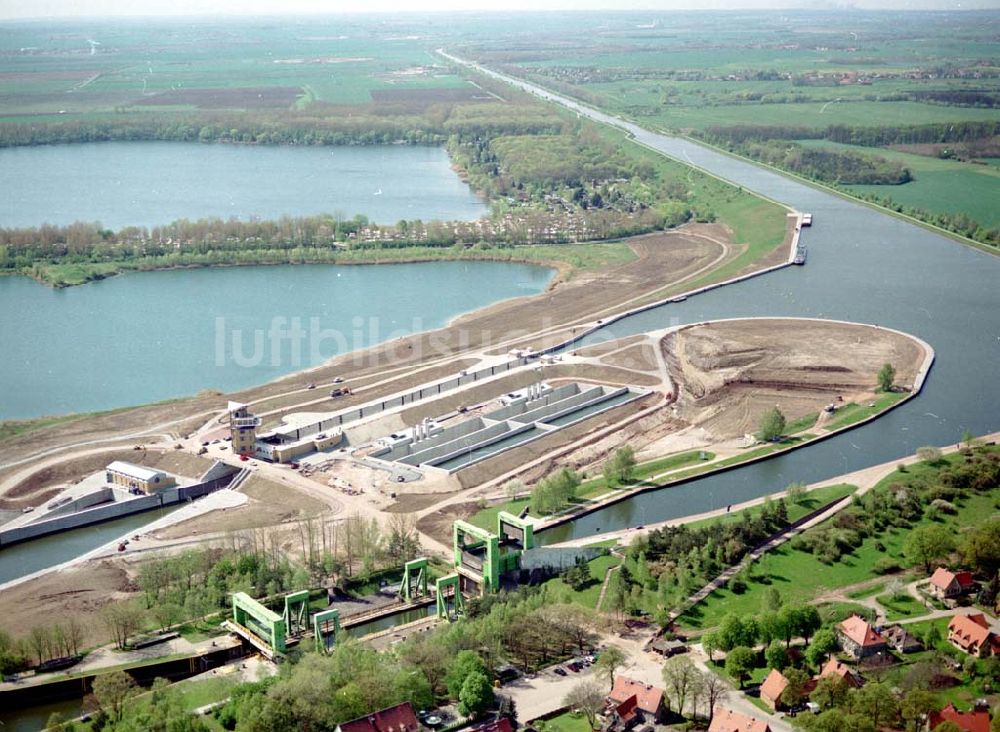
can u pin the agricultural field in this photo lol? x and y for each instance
(124, 69)
(938, 185)
(762, 77)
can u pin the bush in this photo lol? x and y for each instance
(738, 585)
(886, 565)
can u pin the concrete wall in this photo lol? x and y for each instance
(509, 430)
(449, 434)
(410, 397)
(577, 401)
(460, 444)
(109, 511)
(514, 410)
(101, 495)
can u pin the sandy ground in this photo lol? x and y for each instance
(80, 591)
(732, 372)
(269, 504)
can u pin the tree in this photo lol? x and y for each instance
(619, 468)
(587, 697)
(167, 613)
(916, 704)
(823, 644)
(929, 454)
(981, 548)
(121, 620)
(714, 691)
(709, 644)
(886, 375)
(740, 663)
(466, 663)
(796, 492)
(772, 425)
(776, 656)
(112, 690)
(476, 695)
(736, 630)
(830, 691)
(876, 702)
(679, 678)
(611, 659)
(928, 544)
(795, 691)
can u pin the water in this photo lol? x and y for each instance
(34, 718)
(864, 266)
(35, 555)
(151, 183)
(143, 337)
(391, 621)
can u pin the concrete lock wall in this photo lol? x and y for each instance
(353, 415)
(584, 398)
(505, 430)
(462, 443)
(101, 495)
(109, 511)
(402, 451)
(514, 410)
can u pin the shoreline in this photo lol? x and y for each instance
(470, 254)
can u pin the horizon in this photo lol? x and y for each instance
(47, 10)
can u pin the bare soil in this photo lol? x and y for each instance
(731, 373)
(270, 504)
(641, 357)
(80, 592)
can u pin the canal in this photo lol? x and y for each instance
(864, 266)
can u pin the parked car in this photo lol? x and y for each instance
(560, 670)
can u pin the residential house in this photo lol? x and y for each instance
(901, 639)
(399, 718)
(726, 720)
(972, 634)
(771, 689)
(948, 585)
(632, 702)
(975, 721)
(841, 671)
(859, 639)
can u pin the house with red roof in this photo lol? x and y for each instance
(948, 585)
(858, 638)
(841, 671)
(975, 721)
(726, 720)
(631, 702)
(972, 634)
(772, 688)
(399, 718)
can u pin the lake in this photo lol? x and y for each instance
(150, 183)
(143, 337)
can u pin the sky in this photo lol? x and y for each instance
(84, 8)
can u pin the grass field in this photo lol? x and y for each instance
(558, 590)
(939, 186)
(796, 509)
(800, 576)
